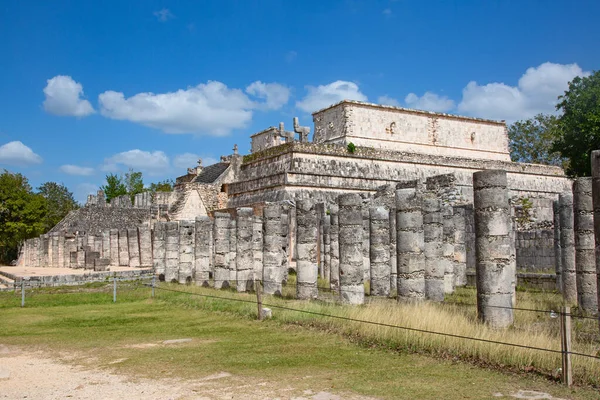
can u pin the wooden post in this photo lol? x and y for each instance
(565, 333)
(258, 298)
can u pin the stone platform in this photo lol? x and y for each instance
(39, 276)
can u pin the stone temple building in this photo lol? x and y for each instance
(355, 147)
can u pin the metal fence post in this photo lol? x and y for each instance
(115, 288)
(22, 292)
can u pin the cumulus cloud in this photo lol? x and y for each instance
(64, 97)
(164, 15)
(274, 94)
(388, 101)
(429, 102)
(211, 108)
(536, 92)
(17, 154)
(325, 95)
(71, 169)
(154, 163)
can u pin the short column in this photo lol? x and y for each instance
(409, 245)
(380, 251)
(145, 240)
(567, 247)
(244, 254)
(433, 232)
(221, 235)
(257, 247)
(134, 247)
(172, 252)
(203, 238)
(185, 271)
(352, 235)
(448, 249)
(273, 273)
(307, 236)
(158, 249)
(460, 248)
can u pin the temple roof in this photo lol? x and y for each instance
(211, 173)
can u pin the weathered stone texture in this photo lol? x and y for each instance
(123, 249)
(232, 250)
(585, 259)
(134, 247)
(460, 249)
(409, 245)
(159, 249)
(433, 232)
(380, 251)
(596, 204)
(306, 244)
(172, 251)
(557, 248)
(221, 236)
(244, 252)
(257, 247)
(187, 237)
(273, 273)
(567, 246)
(351, 239)
(448, 248)
(495, 271)
(145, 240)
(334, 246)
(203, 231)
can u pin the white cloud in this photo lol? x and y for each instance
(276, 95)
(210, 108)
(155, 163)
(325, 95)
(16, 153)
(388, 101)
(76, 170)
(164, 15)
(64, 97)
(429, 102)
(536, 92)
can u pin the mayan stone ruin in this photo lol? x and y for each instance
(411, 203)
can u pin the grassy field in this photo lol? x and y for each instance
(335, 355)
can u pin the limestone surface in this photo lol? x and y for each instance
(380, 251)
(306, 243)
(351, 242)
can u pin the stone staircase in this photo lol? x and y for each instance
(7, 282)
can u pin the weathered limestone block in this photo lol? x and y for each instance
(596, 203)
(232, 249)
(380, 251)
(433, 232)
(393, 252)
(257, 247)
(80, 260)
(285, 231)
(186, 252)
(352, 273)
(273, 273)
(409, 245)
(45, 253)
(244, 252)
(306, 244)
(494, 271)
(54, 257)
(334, 233)
(90, 259)
(101, 264)
(134, 247)
(221, 235)
(557, 249)
(366, 246)
(61, 251)
(172, 251)
(36, 253)
(448, 249)
(460, 250)
(145, 239)
(114, 247)
(567, 247)
(585, 259)
(123, 249)
(105, 244)
(159, 259)
(204, 228)
(327, 246)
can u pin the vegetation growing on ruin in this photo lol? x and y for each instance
(294, 350)
(131, 183)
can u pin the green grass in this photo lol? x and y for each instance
(84, 322)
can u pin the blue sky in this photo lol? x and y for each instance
(89, 88)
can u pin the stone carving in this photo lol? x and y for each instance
(302, 130)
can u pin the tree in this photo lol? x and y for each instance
(579, 124)
(531, 140)
(162, 186)
(59, 202)
(134, 183)
(22, 214)
(114, 187)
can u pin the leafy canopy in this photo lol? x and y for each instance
(531, 140)
(59, 202)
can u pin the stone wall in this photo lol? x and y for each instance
(535, 250)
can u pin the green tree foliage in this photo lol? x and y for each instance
(162, 186)
(22, 214)
(531, 140)
(114, 187)
(134, 183)
(59, 202)
(579, 124)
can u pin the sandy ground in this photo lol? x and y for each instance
(39, 271)
(35, 375)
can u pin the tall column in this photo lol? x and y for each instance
(203, 238)
(596, 200)
(448, 252)
(380, 251)
(158, 249)
(245, 256)
(585, 259)
(134, 247)
(495, 272)
(172, 251)
(114, 247)
(306, 244)
(273, 273)
(460, 249)
(334, 247)
(567, 247)
(409, 245)
(352, 235)
(232, 249)
(327, 246)
(257, 246)
(145, 238)
(557, 250)
(433, 232)
(221, 235)
(123, 249)
(186, 252)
